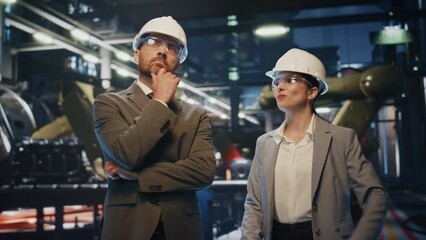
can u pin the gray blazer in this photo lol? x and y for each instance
(338, 167)
(171, 150)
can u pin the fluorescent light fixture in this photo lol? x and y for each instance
(192, 101)
(232, 20)
(44, 38)
(123, 56)
(91, 58)
(216, 111)
(323, 110)
(392, 35)
(130, 73)
(202, 94)
(212, 100)
(123, 72)
(273, 30)
(80, 34)
(8, 1)
(183, 97)
(19, 25)
(233, 76)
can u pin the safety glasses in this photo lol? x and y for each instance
(153, 42)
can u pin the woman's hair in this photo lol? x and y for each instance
(313, 83)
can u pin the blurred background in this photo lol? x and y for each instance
(57, 55)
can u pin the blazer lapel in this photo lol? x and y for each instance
(137, 96)
(176, 106)
(270, 158)
(322, 140)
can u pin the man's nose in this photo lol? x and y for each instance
(161, 51)
(163, 47)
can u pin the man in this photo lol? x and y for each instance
(300, 182)
(157, 151)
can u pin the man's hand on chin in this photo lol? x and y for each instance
(164, 85)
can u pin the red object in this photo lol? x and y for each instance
(231, 154)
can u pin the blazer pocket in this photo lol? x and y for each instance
(121, 192)
(346, 229)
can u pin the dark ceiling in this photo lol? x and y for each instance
(142, 11)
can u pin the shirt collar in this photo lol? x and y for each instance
(279, 136)
(144, 87)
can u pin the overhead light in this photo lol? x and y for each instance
(80, 34)
(8, 1)
(216, 111)
(44, 38)
(123, 72)
(212, 100)
(233, 74)
(272, 30)
(223, 116)
(392, 35)
(323, 110)
(123, 56)
(90, 58)
(232, 20)
(192, 101)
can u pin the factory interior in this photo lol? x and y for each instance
(56, 56)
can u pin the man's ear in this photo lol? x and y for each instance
(177, 68)
(136, 56)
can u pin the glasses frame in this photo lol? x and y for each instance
(287, 80)
(159, 42)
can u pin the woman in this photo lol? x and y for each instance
(302, 175)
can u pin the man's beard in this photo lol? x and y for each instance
(154, 68)
(150, 69)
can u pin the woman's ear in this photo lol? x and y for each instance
(312, 93)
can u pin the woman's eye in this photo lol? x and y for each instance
(293, 80)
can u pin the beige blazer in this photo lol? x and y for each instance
(171, 150)
(338, 167)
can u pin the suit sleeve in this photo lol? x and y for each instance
(370, 193)
(195, 172)
(127, 143)
(252, 223)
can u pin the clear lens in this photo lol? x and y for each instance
(155, 42)
(289, 80)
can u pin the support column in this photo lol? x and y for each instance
(106, 74)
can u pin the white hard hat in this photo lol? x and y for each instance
(167, 26)
(297, 60)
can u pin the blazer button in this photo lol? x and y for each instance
(315, 207)
(318, 231)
